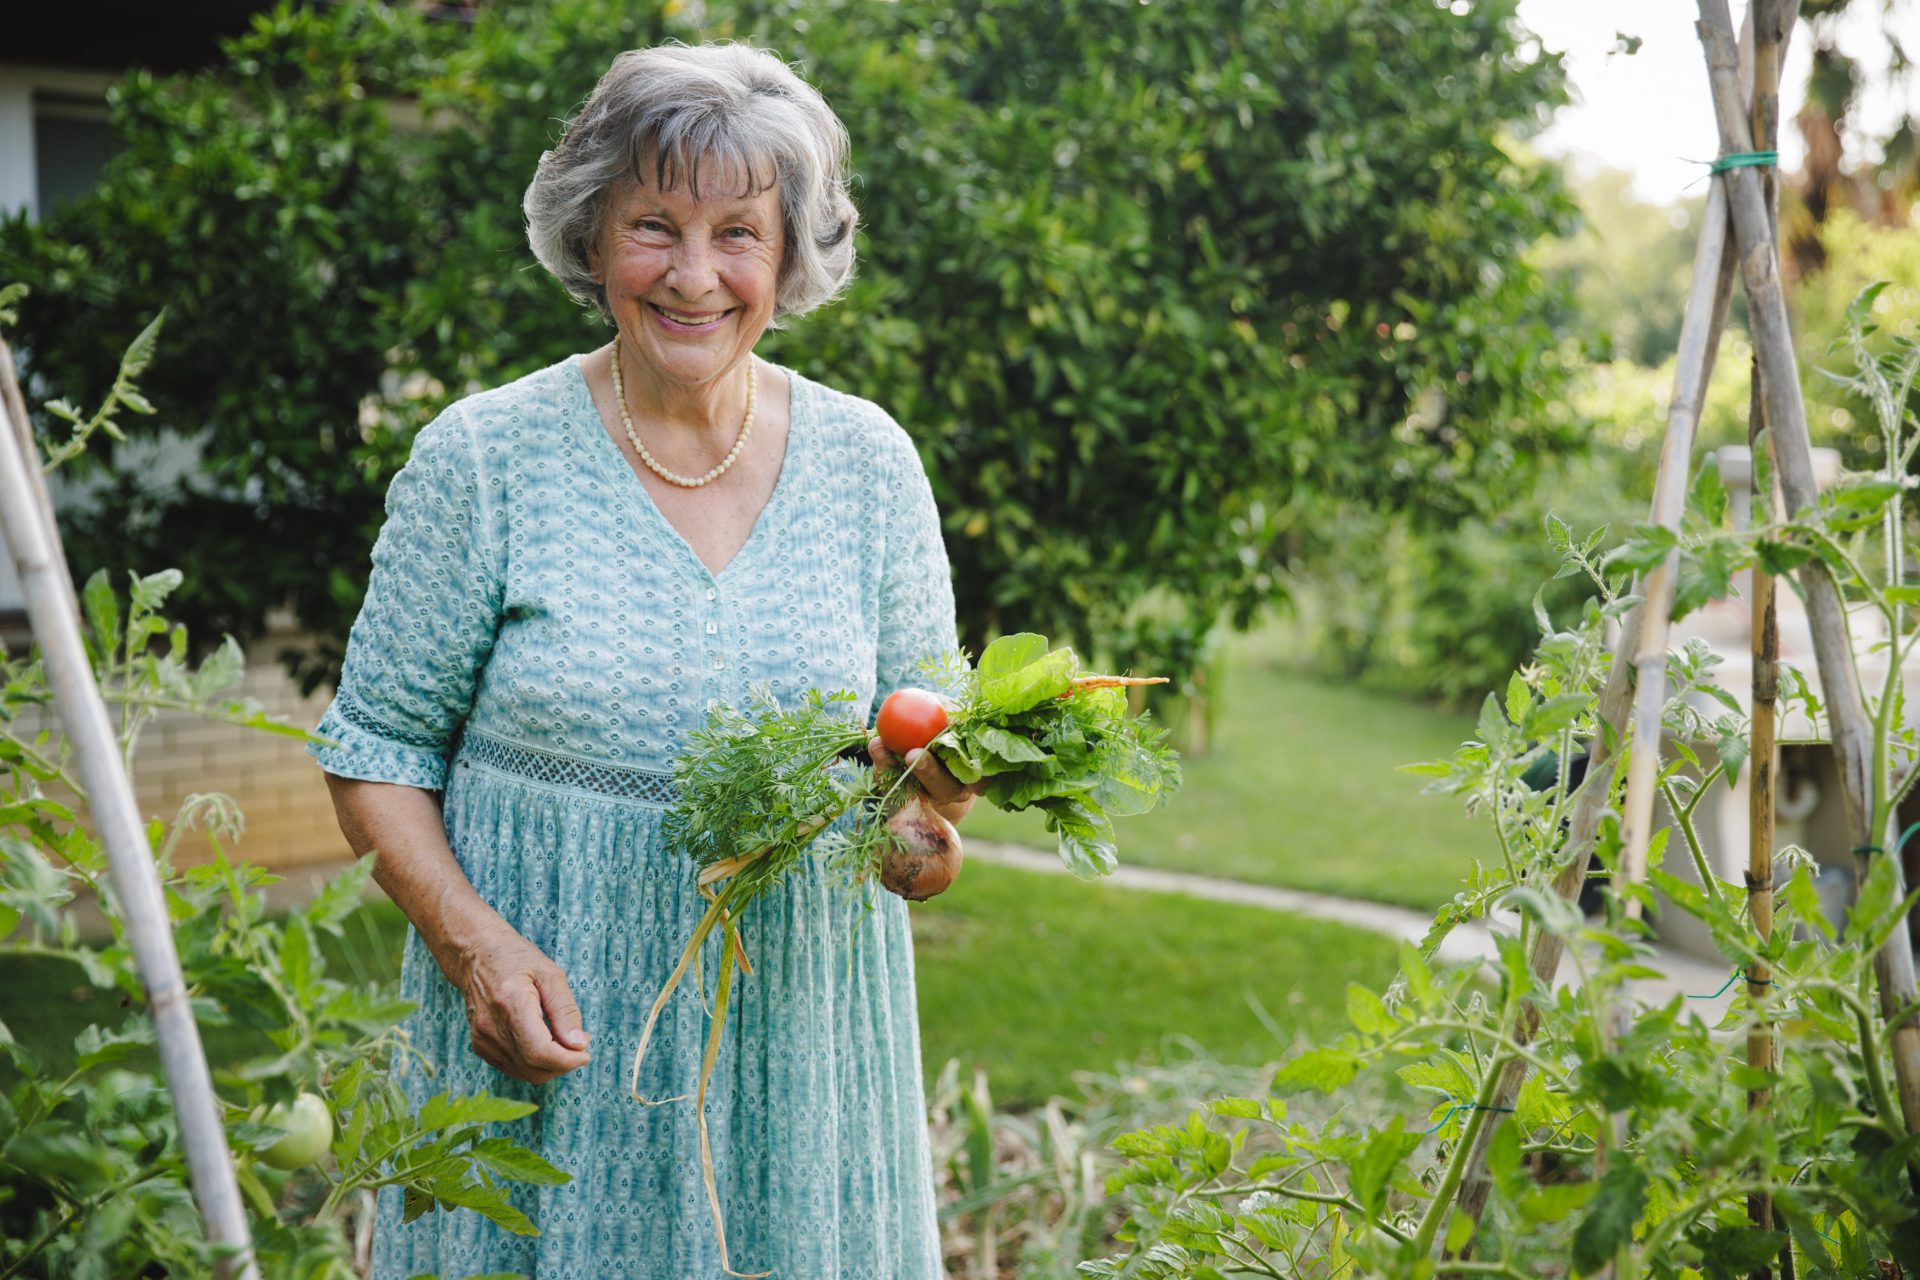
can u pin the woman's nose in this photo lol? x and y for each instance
(691, 273)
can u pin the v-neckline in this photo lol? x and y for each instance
(633, 494)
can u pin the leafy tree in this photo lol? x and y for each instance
(1627, 266)
(1842, 173)
(1197, 269)
(258, 203)
(1151, 285)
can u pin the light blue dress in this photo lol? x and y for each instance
(536, 642)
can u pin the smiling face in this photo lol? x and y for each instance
(690, 282)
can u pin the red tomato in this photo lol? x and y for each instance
(911, 718)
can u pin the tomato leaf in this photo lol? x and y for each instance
(1609, 1223)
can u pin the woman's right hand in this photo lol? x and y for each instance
(524, 1019)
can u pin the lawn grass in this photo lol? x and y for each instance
(1031, 976)
(1302, 789)
(1035, 976)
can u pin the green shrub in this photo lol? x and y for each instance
(1146, 282)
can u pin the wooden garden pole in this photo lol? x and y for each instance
(1700, 336)
(1708, 294)
(1863, 778)
(26, 518)
(1771, 19)
(1670, 487)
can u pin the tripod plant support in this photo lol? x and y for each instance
(26, 519)
(1710, 290)
(1865, 770)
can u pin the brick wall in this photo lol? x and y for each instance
(279, 789)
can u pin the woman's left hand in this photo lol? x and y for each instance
(946, 793)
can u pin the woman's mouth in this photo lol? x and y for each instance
(675, 321)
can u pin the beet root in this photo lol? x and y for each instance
(922, 854)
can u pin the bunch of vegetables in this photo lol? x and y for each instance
(762, 787)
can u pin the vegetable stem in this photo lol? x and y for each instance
(714, 914)
(720, 997)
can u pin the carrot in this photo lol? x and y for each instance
(1083, 683)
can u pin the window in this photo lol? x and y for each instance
(71, 144)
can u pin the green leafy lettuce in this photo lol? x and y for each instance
(1042, 742)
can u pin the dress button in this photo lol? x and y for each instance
(718, 662)
(712, 627)
(712, 594)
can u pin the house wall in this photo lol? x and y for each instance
(41, 100)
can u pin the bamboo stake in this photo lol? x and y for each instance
(1710, 291)
(1771, 19)
(1865, 779)
(1700, 337)
(26, 518)
(1669, 505)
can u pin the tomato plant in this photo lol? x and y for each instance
(1632, 1148)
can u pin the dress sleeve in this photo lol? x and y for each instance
(428, 623)
(916, 581)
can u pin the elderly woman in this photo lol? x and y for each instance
(574, 568)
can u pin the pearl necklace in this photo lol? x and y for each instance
(685, 482)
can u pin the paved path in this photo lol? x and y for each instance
(1683, 972)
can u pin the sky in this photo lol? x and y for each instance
(1649, 113)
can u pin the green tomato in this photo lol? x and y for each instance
(309, 1126)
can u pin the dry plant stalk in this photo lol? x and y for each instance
(1771, 19)
(26, 518)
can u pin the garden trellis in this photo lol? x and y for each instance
(26, 516)
(1737, 228)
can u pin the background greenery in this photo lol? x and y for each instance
(1442, 612)
(1160, 290)
(1190, 308)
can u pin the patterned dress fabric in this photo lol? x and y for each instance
(536, 641)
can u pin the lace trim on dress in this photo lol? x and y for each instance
(647, 786)
(356, 714)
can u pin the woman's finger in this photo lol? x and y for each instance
(563, 1014)
(934, 778)
(534, 1048)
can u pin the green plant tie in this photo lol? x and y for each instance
(1898, 845)
(1737, 975)
(1459, 1107)
(1744, 160)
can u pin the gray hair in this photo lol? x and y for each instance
(677, 108)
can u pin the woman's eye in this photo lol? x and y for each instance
(739, 233)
